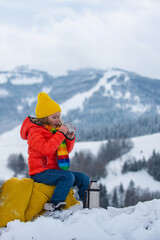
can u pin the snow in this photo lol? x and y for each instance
(29, 101)
(136, 222)
(11, 143)
(21, 80)
(92, 147)
(3, 78)
(78, 100)
(126, 79)
(158, 109)
(19, 108)
(138, 107)
(140, 178)
(127, 95)
(3, 92)
(46, 89)
(143, 147)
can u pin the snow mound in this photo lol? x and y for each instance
(136, 222)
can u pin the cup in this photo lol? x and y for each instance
(70, 127)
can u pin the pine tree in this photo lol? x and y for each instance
(103, 197)
(131, 196)
(154, 166)
(115, 199)
(121, 193)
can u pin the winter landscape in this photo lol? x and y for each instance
(133, 222)
(129, 205)
(99, 60)
(139, 222)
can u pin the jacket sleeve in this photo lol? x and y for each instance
(38, 142)
(70, 144)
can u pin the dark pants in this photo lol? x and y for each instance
(64, 181)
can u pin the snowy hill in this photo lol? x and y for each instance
(107, 96)
(11, 143)
(143, 146)
(133, 223)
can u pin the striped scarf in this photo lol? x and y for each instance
(62, 153)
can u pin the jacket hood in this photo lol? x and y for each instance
(26, 125)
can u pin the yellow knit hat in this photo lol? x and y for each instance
(46, 106)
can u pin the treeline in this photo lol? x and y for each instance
(132, 195)
(127, 129)
(95, 166)
(123, 198)
(152, 165)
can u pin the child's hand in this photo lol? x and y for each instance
(63, 129)
(71, 135)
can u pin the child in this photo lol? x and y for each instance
(48, 148)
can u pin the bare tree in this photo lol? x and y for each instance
(16, 162)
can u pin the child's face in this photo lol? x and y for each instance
(53, 119)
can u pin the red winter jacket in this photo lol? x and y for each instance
(42, 146)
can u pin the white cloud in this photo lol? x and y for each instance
(82, 33)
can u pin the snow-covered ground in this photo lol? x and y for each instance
(133, 223)
(139, 222)
(143, 147)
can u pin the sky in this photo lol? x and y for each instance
(61, 35)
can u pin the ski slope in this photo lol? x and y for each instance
(132, 223)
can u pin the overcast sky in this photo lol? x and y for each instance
(58, 35)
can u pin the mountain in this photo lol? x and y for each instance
(139, 222)
(91, 98)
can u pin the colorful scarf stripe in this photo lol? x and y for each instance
(62, 153)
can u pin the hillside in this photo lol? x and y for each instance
(143, 146)
(139, 222)
(93, 99)
(11, 143)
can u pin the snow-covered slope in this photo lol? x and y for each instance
(143, 147)
(139, 222)
(77, 101)
(133, 223)
(10, 143)
(108, 96)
